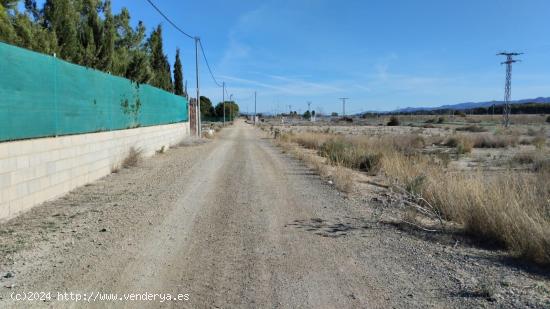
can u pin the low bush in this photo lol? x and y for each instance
(523, 158)
(539, 141)
(542, 166)
(494, 141)
(472, 128)
(371, 163)
(394, 121)
(462, 143)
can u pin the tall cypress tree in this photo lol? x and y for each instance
(178, 75)
(159, 62)
(89, 33)
(107, 49)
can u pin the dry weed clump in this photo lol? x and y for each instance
(133, 158)
(343, 179)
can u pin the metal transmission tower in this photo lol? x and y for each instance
(508, 85)
(344, 106)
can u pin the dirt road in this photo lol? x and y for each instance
(235, 223)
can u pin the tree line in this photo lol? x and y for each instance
(87, 33)
(208, 110)
(497, 109)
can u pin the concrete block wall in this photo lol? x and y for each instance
(36, 170)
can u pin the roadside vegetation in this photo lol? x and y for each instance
(88, 33)
(508, 207)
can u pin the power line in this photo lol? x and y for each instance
(168, 19)
(208, 65)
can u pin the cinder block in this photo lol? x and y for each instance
(22, 162)
(4, 210)
(21, 190)
(40, 170)
(4, 150)
(5, 180)
(22, 175)
(38, 184)
(8, 194)
(21, 204)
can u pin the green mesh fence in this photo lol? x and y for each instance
(43, 96)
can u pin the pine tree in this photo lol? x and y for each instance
(7, 32)
(207, 110)
(24, 31)
(10, 5)
(61, 17)
(178, 75)
(139, 69)
(32, 8)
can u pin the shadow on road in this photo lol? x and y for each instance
(336, 229)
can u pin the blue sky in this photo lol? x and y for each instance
(380, 54)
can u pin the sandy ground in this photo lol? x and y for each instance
(236, 223)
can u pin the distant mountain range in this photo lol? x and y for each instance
(470, 105)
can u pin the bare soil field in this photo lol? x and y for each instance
(241, 222)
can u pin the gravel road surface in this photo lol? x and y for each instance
(236, 223)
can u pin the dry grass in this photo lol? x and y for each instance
(511, 209)
(133, 158)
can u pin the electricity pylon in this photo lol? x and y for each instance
(344, 106)
(508, 85)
